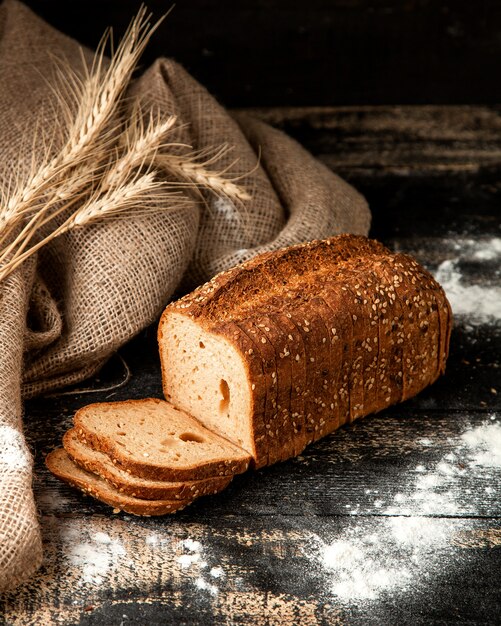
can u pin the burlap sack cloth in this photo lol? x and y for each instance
(63, 314)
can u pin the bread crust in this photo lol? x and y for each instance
(265, 350)
(128, 484)
(63, 467)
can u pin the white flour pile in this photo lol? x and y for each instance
(94, 556)
(471, 302)
(402, 553)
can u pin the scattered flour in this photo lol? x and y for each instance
(103, 554)
(470, 302)
(365, 563)
(186, 560)
(157, 541)
(484, 445)
(478, 303)
(216, 572)
(93, 557)
(192, 546)
(194, 557)
(488, 250)
(200, 583)
(436, 488)
(14, 454)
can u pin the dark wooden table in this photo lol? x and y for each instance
(394, 520)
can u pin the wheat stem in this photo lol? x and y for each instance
(144, 190)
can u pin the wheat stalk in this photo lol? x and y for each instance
(103, 168)
(141, 146)
(144, 190)
(193, 168)
(116, 192)
(98, 96)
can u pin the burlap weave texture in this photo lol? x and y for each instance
(62, 315)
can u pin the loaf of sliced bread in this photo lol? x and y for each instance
(154, 440)
(129, 484)
(285, 348)
(60, 464)
(260, 362)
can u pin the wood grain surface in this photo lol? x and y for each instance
(400, 496)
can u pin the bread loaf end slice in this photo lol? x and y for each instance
(60, 464)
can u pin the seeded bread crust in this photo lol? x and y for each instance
(389, 327)
(125, 482)
(266, 351)
(234, 461)
(60, 464)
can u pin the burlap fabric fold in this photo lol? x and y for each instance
(62, 315)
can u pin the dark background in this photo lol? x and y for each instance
(315, 52)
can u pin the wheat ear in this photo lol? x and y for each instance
(98, 96)
(115, 186)
(194, 169)
(144, 190)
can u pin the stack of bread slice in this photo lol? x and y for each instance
(144, 456)
(260, 362)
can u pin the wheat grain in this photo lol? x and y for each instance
(141, 147)
(144, 191)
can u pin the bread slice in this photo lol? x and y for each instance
(254, 328)
(156, 441)
(127, 483)
(60, 464)
(215, 374)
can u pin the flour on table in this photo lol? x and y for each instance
(436, 488)
(366, 562)
(192, 546)
(488, 250)
(478, 303)
(484, 445)
(471, 303)
(94, 555)
(201, 583)
(216, 572)
(185, 560)
(194, 560)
